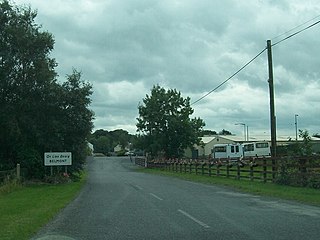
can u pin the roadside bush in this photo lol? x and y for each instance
(9, 185)
(314, 180)
(58, 178)
(293, 172)
(31, 160)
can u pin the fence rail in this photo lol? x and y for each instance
(7, 174)
(13, 173)
(255, 169)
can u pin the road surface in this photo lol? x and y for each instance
(120, 203)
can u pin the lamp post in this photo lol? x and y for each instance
(244, 129)
(296, 125)
(247, 133)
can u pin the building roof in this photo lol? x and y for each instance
(255, 138)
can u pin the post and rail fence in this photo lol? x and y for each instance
(13, 173)
(264, 169)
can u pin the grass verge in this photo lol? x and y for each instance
(25, 209)
(303, 195)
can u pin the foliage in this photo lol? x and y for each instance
(164, 123)
(208, 132)
(225, 132)
(10, 185)
(293, 171)
(37, 113)
(298, 171)
(104, 141)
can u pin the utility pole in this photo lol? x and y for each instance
(272, 109)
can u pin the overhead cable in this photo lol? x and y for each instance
(300, 25)
(293, 34)
(224, 82)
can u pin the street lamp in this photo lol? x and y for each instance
(296, 125)
(244, 129)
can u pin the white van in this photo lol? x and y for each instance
(224, 151)
(256, 149)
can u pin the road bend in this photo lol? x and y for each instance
(119, 202)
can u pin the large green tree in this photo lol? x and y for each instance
(164, 123)
(37, 113)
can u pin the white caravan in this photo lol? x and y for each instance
(256, 149)
(224, 151)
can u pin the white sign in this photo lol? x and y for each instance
(57, 158)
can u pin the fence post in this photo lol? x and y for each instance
(228, 168)
(209, 169)
(190, 168)
(202, 168)
(196, 165)
(185, 167)
(238, 169)
(264, 169)
(274, 169)
(18, 171)
(251, 172)
(218, 170)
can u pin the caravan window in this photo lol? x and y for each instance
(248, 147)
(220, 149)
(234, 149)
(262, 145)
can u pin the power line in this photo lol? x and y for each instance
(293, 34)
(295, 28)
(224, 82)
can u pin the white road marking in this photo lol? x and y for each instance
(137, 186)
(155, 196)
(193, 218)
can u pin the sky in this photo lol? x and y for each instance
(125, 47)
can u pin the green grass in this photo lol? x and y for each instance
(303, 195)
(25, 209)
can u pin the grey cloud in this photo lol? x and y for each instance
(125, 47)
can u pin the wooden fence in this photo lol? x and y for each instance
(10, 174)
(258, 169)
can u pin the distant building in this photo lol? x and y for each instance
(117, 148)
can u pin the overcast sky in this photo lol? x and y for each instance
(124, 47)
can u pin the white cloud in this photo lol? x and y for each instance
(125, 47)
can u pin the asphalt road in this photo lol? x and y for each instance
(120, 203)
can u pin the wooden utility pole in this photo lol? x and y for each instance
(272, 109)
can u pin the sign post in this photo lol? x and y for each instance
(57, 159)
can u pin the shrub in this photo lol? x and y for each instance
(9, 185)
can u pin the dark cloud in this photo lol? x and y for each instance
(125, 47)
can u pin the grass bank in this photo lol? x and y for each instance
(25, 209)
(303, 195)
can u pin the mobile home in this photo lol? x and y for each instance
(256, 149)
(223, 151)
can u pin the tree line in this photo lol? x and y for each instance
(105, 141)
(38, 114)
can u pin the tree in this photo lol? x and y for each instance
(37, 113)
(208, 132)
(27, 77)
(76, 119)
(225, 132)
(104, 141)
(164, 123)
